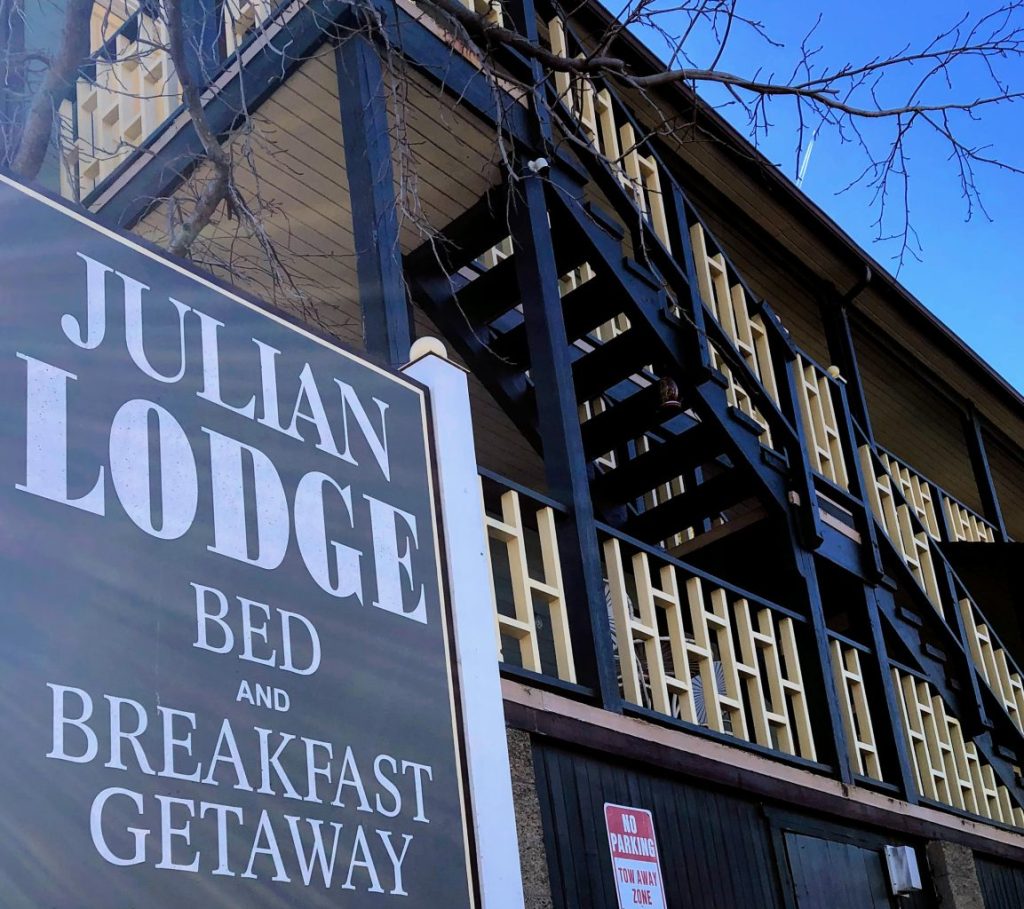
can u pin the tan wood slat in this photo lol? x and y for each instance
(857, 723)
(947, 767)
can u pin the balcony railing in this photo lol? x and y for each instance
(689, 647)
(612, 137)
(962, 524)
(696, 649)
(993, 661)
(526, 578)
(899, 519)
(727, 302)
(903, 502)
(947, 767)
(129, 87)
(848, 658)
(820, 402)
(698, 653)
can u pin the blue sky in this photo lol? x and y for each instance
(970, 271)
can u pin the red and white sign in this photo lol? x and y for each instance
(635, 859)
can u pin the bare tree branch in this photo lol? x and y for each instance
(217, 187)
(59, 78)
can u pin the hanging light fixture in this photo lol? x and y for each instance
(668, 395)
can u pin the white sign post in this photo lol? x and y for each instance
(487, 764)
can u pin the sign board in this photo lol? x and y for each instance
(636, 862)
(224, 665)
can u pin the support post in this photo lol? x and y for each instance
(821, 667)
(565, 463)
(364, 121)
(465, 545)
(843, 354)
(893, 712)
(204, 25)
(982, 471)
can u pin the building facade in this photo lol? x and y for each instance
(751, 509)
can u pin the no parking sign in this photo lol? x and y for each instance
(635, 858)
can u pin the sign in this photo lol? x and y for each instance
(636, 863)
(223, 643)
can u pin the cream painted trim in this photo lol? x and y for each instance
(839, 526)
(738, 762)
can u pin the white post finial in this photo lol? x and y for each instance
(425, 346)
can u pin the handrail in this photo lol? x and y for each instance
(850, 642)
(959, 503)
(655, 245)
(704, 575)
(537, 497)
(959, 591)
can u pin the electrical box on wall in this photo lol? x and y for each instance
(904, 875)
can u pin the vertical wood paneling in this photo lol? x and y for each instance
(1002, 886)
(716, 851)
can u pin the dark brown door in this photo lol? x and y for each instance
(834, 875)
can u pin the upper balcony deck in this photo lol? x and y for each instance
(763, 530)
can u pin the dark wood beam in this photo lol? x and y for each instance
(565, 463)
(982, 471)
(839, 338)
(387, 333)
(204, 22)
(896, 759)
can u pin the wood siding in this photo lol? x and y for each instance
(1002, 886)
(1008, 476)
(716, 850)
(914, 421)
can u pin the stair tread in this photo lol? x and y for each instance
(471, 234)
(584, 309)
(707, 500)
(491, 294)
(608, 364)
(664, 461)
(625, 420)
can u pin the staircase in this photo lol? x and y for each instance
(696, 408)
(648, 428)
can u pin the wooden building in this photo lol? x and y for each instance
(752, 508)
